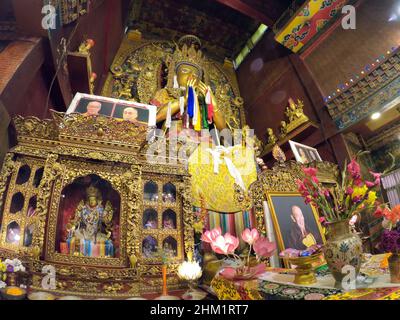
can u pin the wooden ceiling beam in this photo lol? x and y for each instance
(248, 11)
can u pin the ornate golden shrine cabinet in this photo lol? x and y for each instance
(78, 193)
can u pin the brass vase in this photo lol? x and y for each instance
(394, 268)
(343, 248)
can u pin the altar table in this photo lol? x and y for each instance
(277, 284)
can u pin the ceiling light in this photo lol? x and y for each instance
(376, 115)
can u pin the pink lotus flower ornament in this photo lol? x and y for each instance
(226, 244)
(264, 248)
(250, 236)
(210, 236)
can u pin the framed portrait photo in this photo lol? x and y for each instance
(296, 224)
(134, 112)
(304, 154)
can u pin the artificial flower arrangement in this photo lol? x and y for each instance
(390, 239)
(9, 266)
(227, 244)
(350, 197)
(14, 265)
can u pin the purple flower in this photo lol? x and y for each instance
(10, 268)
(390, 241)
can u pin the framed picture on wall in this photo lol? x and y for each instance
(296, 224)
(304, 154)
(134, 112)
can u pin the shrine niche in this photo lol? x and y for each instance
(91, 205)
(88, 221)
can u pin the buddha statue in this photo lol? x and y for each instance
(186, 89)
(92, 221)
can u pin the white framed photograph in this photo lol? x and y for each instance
(92, 105)
(304, 154)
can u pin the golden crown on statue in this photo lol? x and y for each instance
(188, 51)
(92, 191)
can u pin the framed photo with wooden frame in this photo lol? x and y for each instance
(296, 224)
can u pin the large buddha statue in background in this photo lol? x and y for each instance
(187, 101)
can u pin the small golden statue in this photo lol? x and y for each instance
(272, 139)
(295, 114)
(283, 130)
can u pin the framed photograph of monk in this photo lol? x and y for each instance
(134, 112)
(304, 154)
(296, 224)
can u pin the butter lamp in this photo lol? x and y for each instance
(191, 271)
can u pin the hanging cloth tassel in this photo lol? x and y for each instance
(210, 107)
(204, 116)
(195, 108)
(182, 105)
(197, 114)
(176, 85)
(168, 120)
(190, 107)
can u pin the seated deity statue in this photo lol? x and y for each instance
(168, 223)
(186, 101)
(151, 224)
(92, 221)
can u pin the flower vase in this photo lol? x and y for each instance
(394, 268)
(343, 248)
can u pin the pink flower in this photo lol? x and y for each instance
(327, 194)
(377, 177)
(370, 184)
(308, 199)
(310, 172)
(250, 236)
(210, 236)
(226, 244)
(349, 191)
(354, 168)
(315, 179)
(264, 248)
